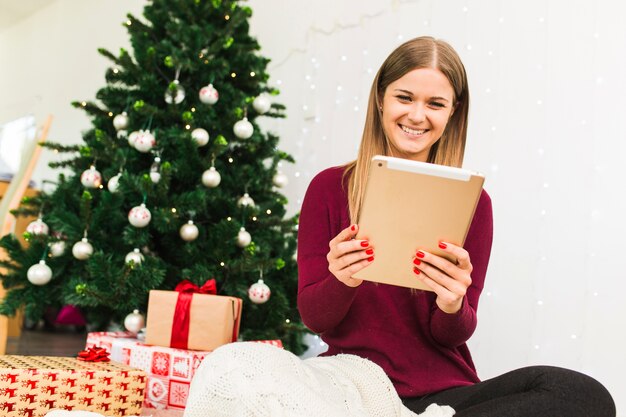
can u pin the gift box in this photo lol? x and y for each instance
(169, 370)
(31, 386)
(192, 317)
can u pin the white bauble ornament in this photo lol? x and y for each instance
(82, 249)
(122, 134)
(139, 216)
(243, 238)
(133, 137)
(114, 183)
(280, 180)
(211, 178)
(57, 248)
(91, 178)
(39, 274)
(208, 94)
(37, 227)
(134, 322)
(120, 122)
(189, 231)
(200, 135)
(155, 177)
(259, 292)
(243, 129)
(145, 141)
(262, 104)
(245, 201)
(177, 95)
(134, 256)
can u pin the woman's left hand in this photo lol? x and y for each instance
(448, 280)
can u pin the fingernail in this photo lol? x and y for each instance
(353, 228)
(417, 271)
(442, 245)
(370, 259)
(369, 252)
(365, 243)
(419, 254)
(417, 261)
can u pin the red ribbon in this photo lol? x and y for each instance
(182, 313)
(94, 354)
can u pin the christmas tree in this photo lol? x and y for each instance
(174, 181)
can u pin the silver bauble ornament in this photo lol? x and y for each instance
(280, 180)
(39, 274)
(133, 137)
(82, 249)
(243, 238)
(134, 322)
(189, 231)
(243, 129)
(135, 256)
(38, 227)
(259, 292)
(211, 178)
(139, 216)
(262, 104)
(245, 201)
(91, 178)
(208, 94)
(114, 183)
(145, 141)
(57, 248)
(175, 93)
(200, 135)
(120, 122)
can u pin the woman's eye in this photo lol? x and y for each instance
(404, 98)
(437, 104)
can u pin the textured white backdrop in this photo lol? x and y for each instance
(547, 81)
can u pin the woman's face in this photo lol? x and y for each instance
(416, 109)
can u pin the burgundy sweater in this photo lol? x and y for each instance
(421, 348)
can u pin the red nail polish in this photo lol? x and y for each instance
(353, 228)
(417, 271)
(370, 259)
(417, 261)
(365, 243)
(442, 245)
(419, 254)
(369, 252)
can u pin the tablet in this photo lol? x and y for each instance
(409, 206)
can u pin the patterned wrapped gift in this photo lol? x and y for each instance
(169, 370)
(192, 317)
(31, 386)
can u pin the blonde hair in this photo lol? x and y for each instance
(422, 52)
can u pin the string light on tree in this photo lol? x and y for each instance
(134, 322)
(208, 95)
(39, 274)
(243, 129)
(120, 122)
(136, 257)
(139, 216)
(243, 238)
(200, 135)
(91, 178)
(189, 231)
(82, 249)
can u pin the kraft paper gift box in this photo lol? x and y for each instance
(190, 320)
(31, 386)
(169, 370)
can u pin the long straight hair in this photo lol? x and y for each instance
(422, 52)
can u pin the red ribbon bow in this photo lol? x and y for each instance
(94, 354)
(182, 313)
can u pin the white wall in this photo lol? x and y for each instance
(547, 85)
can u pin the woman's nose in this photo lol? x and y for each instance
(417, 113)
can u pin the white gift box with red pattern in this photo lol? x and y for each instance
(169, 370)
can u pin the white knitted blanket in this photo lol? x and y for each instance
(258, 380)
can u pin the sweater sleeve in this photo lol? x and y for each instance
(323, 300)
(452, 330)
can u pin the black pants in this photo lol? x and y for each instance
(528, 392)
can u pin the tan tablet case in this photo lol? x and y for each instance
(411, 205)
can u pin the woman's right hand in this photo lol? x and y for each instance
(347, 256)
